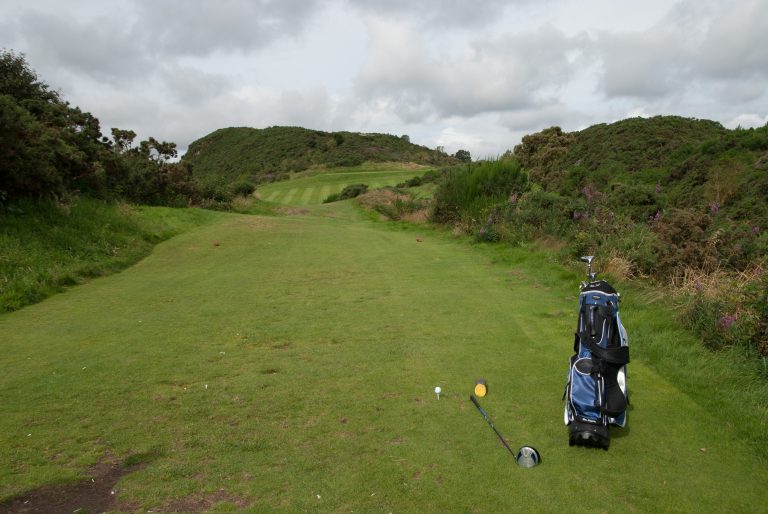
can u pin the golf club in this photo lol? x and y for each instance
(526, 456)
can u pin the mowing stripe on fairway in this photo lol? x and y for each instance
(306, 195)
(289, 195)
(325, 192)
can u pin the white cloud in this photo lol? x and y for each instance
(749, 120)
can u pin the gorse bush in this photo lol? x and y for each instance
(350, 191)
(468, 193)
(243, 188)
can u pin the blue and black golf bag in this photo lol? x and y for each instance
(596, 389)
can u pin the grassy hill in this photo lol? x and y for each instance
(651, 164)
(262, 155)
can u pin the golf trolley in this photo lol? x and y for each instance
(596, 390)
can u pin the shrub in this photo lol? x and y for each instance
(351, 191)
(469, 192)
(683, 239)
(243, 188)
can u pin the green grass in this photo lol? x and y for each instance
(311, 188)
(293, 366)
(45, 248)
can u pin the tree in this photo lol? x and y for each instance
(18, 80)
(463, 156)
(123, 139)
(26, 155)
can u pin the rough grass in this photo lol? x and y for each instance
(289, 363)
(45, 247)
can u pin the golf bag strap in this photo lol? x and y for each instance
(618, 355)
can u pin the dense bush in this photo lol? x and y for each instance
(468, 193)
(351, 191)
(243, 188)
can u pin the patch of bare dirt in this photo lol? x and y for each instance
(376, 197)
(98, 493)
(292, 211)
(94, 494)
(203, 502)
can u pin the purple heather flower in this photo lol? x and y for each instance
(698, 286)
(755, 230)
(576, 215)
(714, 207)
(728, 320)
(656, 217)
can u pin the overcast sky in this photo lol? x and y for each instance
(474, 75)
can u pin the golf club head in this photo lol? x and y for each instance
(527, 457)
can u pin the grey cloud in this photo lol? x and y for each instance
(644, 66)
(702, 45)
(308, 108)
(735, 44)
(100, 49)
(201, 27)
(507, 73)
(534, 120)
(192, 86)
(439, 13)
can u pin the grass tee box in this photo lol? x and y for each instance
(281, 370)
(312, 187)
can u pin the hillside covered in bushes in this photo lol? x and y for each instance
(238, 154)
(678, 202)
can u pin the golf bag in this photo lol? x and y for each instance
(596, 390)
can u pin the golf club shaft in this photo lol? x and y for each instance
(501, 438)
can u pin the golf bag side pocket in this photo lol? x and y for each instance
(585, 390)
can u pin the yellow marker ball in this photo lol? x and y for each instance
(481, 388)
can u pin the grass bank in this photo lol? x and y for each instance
(45, 247)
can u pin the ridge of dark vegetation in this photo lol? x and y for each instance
(675, 201)
(244, 154)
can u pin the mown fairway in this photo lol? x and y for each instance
(312, 188)
(292, 368)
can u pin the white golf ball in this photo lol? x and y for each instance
(437, 389)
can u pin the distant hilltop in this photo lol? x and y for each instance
(244, 153)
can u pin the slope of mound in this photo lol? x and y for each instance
(660, 162)
(261, 155)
